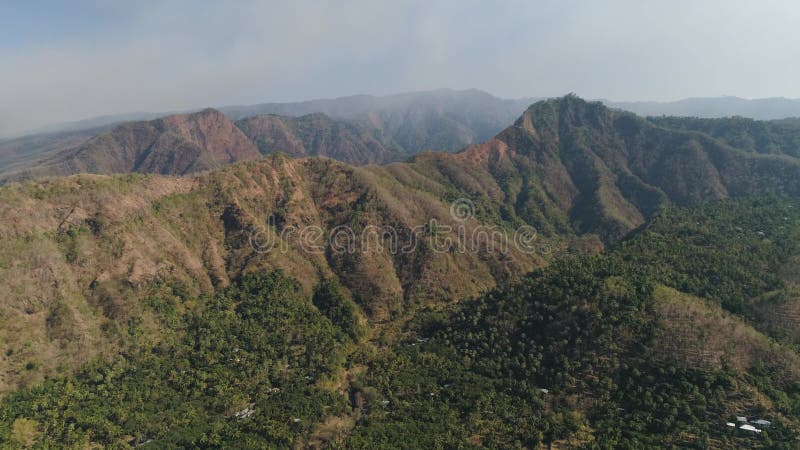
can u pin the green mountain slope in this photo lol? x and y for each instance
(603, 352)
(608, 351)
(768, 137)
(567, 163)
(258, 346)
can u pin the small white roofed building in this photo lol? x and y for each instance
(750, 428)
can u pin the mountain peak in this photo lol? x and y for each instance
(176, 145)
(568, 104)
(208, 115)
(605, 170)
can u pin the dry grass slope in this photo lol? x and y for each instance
(81, 254)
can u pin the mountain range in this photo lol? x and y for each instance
(569, 168)
(658, 288)
(404, 124)
(367, 129)
(716, 107)
(454, 101)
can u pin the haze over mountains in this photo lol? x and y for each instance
(714, 107)
(356, 106)
(401, 125)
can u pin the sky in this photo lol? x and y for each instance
(69, 60)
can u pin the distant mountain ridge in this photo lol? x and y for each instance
(375, 129)
(759, 136)
(195, 142)
(318, 135)
(565, 164)
(19, 153)
(715, 107)
(174, 145)
(444, 119)
(364, 129)
(361, 105)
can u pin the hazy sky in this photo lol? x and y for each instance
(75, 59)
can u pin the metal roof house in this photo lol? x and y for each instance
(748, 427)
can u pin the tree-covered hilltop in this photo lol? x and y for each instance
(656, 343)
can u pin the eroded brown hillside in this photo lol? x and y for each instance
(82, 254)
